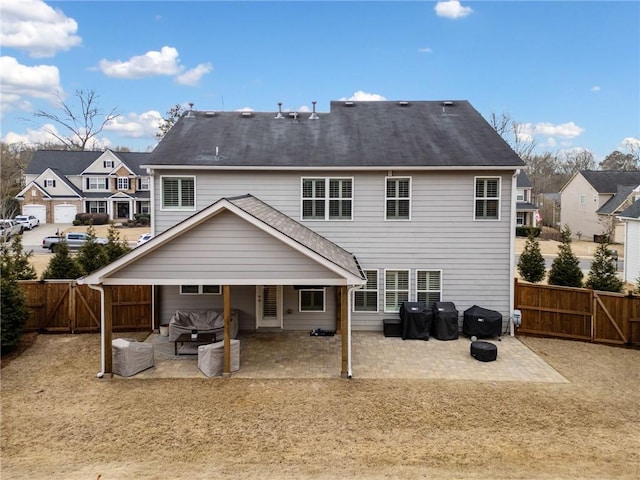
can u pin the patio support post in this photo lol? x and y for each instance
(226, 292)
(107, 335)
(344, 305)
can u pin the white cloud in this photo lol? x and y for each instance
(452, 9)
(35, 27)
(192, 77)
(164, 62)
(20, 82)
(244, 109)
(133, 125)
(424, 50)
(595, 88)
(630, 144)
(31, 137)
(563, 130)
(361, 96)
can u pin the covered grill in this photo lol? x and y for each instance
(480, 322)
(415, 320)
(445, 321)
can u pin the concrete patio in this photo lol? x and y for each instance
(298, 355)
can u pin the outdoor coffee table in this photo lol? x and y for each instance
(201, 339)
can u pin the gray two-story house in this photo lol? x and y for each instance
(328, 220)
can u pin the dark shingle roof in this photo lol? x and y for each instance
(522, 181)
(615, 202)
(73, 162)
(365, 134)
(607, 181)
(632, 212)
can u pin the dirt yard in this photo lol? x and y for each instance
(60, 422)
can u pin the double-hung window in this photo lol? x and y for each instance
(97, 183)
(396, 285)
(178, 193)
(365, 299)
(487, 198)
(429, 286)
(398, 198)
(143, 183)
(97, 206)
(327, 198)
(123, 183)
(49, 183)
(312, 300)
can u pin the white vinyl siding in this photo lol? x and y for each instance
(327, 198)
(396, 285)
(429, 286)
(398, 198)
(178, 193)
(365, 299)
(487, 198)
(311, 300)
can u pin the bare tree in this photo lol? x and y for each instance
(576, 161)
(621, 161)
(81, 123)
(169, 120)
(514, 134)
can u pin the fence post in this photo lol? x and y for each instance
(72, 306)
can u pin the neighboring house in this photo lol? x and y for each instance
(631, 216)
(549, 208)
(61, 183)
(328, 220)
(592, 199)
(527, 214)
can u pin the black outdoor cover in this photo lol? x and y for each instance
(415, 321)
(445, 321)
(480, 322)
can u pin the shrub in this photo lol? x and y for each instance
(565, 269)
(603, 274)
(526, 231)
(13, 313)
(531, 265)
(92, 255)
(76, 222)
(62, 265)
(115, 247)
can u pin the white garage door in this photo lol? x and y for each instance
(64, 213)
(38, 211)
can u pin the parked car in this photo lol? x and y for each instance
(74, 240)
(144, 238)
(8, 229)
(27, 221)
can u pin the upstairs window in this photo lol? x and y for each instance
(178, 193)
(123, 183)
(487, 198)
(365, 299)
(429, 288)
(108, 164)
(327, 198)
(398, 198)
(49, 183)
(521, 196)
(143, 183)
(396, 284)
(96, 183)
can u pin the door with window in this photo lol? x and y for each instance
(269, 306)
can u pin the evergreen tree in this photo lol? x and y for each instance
(603, 274)
(115, 247)
(13, 312)
(62, 265)
(565, 269)
(14, 261)
(531, 265)
(92, 255)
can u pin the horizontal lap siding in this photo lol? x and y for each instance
(226, 247)
(442, 235)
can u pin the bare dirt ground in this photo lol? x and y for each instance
(60, 422)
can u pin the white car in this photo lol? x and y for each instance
(144, 238)
(27, 221)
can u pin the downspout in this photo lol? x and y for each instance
(103, 361)
(349, 290)
(512, 251)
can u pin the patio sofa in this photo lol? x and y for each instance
(204, 321)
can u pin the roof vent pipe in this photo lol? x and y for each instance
(190, 112)
(314, 115)
(279, 114)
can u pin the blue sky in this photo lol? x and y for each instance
(568, 72)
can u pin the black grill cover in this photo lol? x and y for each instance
(415, 320)
(480, 322)
(445, 321)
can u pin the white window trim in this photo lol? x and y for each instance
(327, 199)
(582, 199)
(104, 180)
(178, 209)
(98, 204)
(400, 177)
(521, 218)
(49, 183)
(498, 198)
(144, 180)
(384, 297)
(429, 291)
(324, 300)
(108, 164)
(363, 289)
(200, 289)
(521, 195)
(123, 179)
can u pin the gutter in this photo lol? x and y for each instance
(349, 366)
(512, 251)
(103, 360)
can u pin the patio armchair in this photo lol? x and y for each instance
(204, 321)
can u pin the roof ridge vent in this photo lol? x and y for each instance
(349, 104)
(246, 114)
(314, 115)
(209, 114)
(445, 104)
(403, 103)
(279, 115)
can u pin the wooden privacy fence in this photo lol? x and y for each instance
(578, 314)
(63, 306)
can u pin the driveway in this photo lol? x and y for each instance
(32, 239)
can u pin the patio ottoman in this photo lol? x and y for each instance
(211, 358)
(484, 351)
(131, 357)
